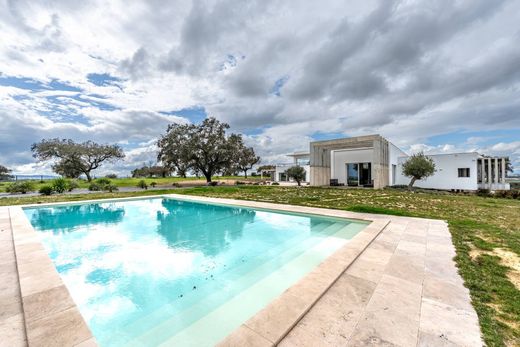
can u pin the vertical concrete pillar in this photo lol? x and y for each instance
(489, 176)
(496, 171)
(503, 178)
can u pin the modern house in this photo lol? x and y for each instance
(373, 161)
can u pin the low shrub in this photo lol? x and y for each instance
(94, 187)
(483, 192)
(153, 184)
(20, 187)
(213, 183)
(112, 175)
(60, 185)
(507, 194)
(175, 184)
(103, 181)
(239, 183)
(142, 184)
(73, 184)
(110, 188)
(275, 184)
(46, 190)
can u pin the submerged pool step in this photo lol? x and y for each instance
(261, 284)
(226, 283)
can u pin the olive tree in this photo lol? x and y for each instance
(244, 158)
(297, 173)
(72, 158)
(204, 148)
(417, 167)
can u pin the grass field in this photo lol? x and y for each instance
(486, 234)
(132, 182)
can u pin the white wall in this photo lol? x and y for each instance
(343, 156)
(393, 159)
(446, 176)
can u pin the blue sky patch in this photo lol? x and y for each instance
(103, 79)
(278, 84)
(195, 114)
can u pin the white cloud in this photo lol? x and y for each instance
(409, 70)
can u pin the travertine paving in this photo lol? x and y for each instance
(12, 329)
(403, 290)
(395, 287)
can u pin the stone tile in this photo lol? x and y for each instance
(38, 283)
(302, 338)
(429, 340)
(12, 331)
(457, 326)
(46, 303)
(375, 255)
(368, 270)
(395, 295)
(334, 317)
(447, 293)
(244, 336)
(443, 268)
(410, 268)
(436, 249)
(65, 328)
(383, 245)
(88, 343)
(10, 305)
(385, 329)
(414, 238)
(389, 236)
(276, 319)
(411, 248)
(9, 284)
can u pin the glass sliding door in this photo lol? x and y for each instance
(352, 174)
(365, 174)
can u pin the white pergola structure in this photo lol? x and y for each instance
(491, 172)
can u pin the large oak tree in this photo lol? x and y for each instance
(203, 148)
(72, 158)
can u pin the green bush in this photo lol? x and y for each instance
(275, 184)
(239, 183)
(20, 187)
(175, 184)
(94, 187)
(212, 183)
(60, 185)
(103, 181)
(111, 176)
(46, 190)
(153, 184)
(483, 192)
(72, 184)
(110, 188)
(142, 184)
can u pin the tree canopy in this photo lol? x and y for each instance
(72, 158)
(297, 173)
(151, 171)
(4, 172)
(417, 167)
(204, 148)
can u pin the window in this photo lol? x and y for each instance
(464, 172)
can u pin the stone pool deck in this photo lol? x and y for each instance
(402, 289)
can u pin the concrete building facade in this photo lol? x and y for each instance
(373, 161)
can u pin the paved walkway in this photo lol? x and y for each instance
(12, 328)
(403, 290)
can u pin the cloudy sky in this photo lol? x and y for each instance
(438, 76)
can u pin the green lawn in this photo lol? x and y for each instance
(486, 234)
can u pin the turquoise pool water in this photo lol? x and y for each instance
(167, 272)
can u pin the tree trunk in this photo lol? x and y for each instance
(412, 181)
(89, 179)
(245, 174)
(298, 181)
(208, 177)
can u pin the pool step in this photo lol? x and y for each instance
(257, 288)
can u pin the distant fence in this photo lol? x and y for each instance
(12, 178)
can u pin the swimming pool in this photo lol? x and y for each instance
(162, 271)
